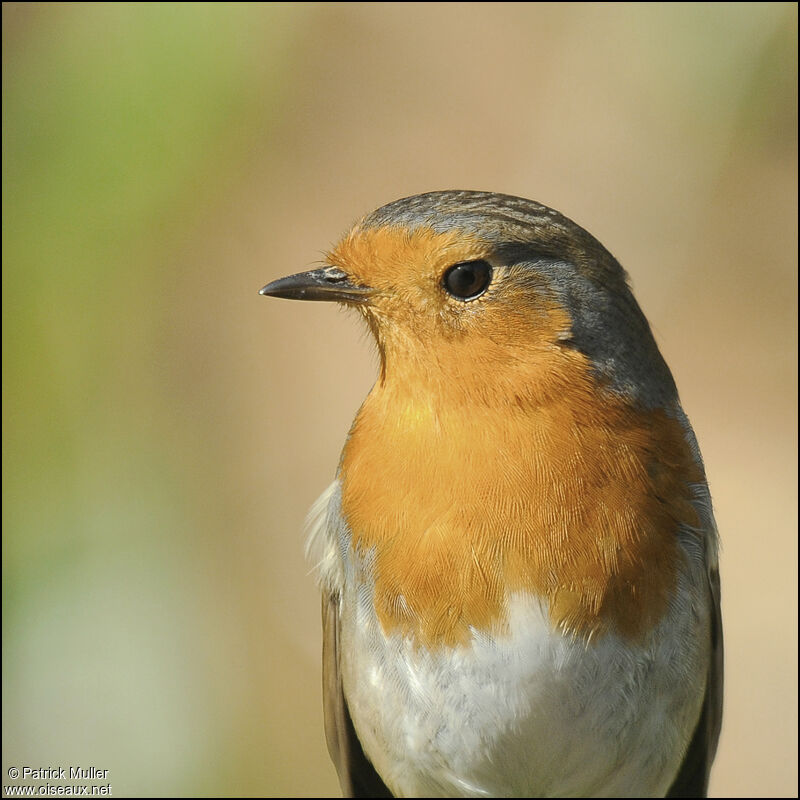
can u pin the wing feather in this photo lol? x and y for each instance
(357, 776)
(692, 778)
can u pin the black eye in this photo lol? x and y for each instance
(467, 280)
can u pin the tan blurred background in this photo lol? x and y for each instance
(165, 428)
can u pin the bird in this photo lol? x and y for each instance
(518, 557)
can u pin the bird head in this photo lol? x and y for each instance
(492, 296)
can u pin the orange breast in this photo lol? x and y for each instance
(567, 493)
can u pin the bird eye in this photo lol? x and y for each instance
(467, 280)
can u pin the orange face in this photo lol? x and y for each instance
(488, 458)
(426, 336)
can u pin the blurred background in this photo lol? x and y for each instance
(165, 429)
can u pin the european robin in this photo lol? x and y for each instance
(518, 556)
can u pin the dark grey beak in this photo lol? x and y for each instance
(328, 283)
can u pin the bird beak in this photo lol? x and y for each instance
(328, 283)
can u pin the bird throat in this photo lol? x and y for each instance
(569, 494)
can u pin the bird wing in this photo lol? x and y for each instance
(692, 778)
(357, 776)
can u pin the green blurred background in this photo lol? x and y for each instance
(165, 428)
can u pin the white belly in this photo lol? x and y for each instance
(533, 713)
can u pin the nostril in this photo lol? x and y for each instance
(335, 276)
